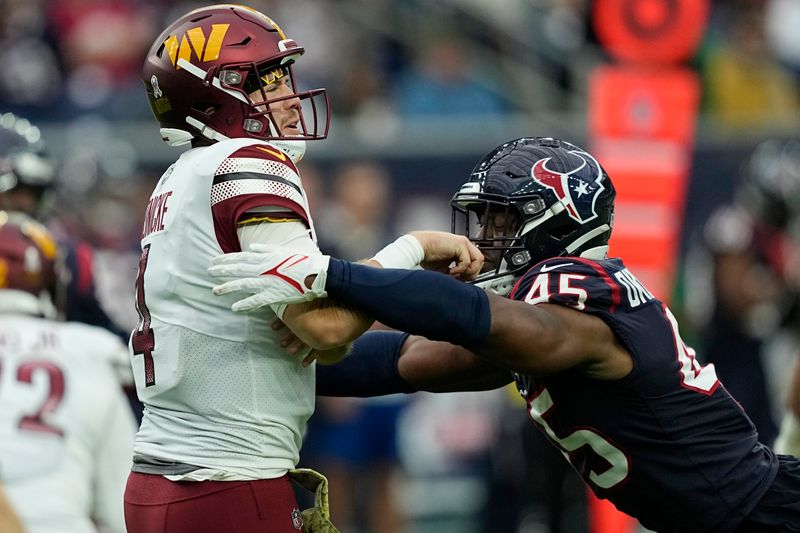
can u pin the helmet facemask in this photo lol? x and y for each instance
(531, 233)
(499, 228)
(244, 80)
(258, 82)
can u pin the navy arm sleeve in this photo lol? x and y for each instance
(370, 369)
(424, 303)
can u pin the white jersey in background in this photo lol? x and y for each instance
(222, 399)
(66, 428)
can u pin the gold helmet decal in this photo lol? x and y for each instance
(195, 39)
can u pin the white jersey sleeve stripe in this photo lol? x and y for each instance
(239, 185)
(233, 165)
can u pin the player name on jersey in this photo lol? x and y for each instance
(154, 215)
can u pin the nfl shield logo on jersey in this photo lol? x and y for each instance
(297, 519)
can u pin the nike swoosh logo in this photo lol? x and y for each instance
(279, 155)
(548, 268)
(276, 271)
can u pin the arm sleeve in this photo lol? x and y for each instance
(113, 463)
(417, 301)
(292, 234)
(370, 369)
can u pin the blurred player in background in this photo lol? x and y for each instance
(746, 249)
(28, 185)
(771, 193)
(66, 429)
(225, 405)
(598, 359)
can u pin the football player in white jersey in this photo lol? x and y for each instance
(66, 429)
(225, 405)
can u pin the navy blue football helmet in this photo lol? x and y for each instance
(532, 199)
(24, 164)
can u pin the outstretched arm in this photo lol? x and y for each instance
(390, 362)
(324, 324)
(535, 339)
(541, 339)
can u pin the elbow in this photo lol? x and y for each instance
(326, 335)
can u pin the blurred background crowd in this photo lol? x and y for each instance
(419, 91)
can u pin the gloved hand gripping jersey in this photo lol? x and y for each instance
(270, 274)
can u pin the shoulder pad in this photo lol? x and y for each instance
(574, 282)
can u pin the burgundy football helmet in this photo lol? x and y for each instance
(200, 72)
(28, 255)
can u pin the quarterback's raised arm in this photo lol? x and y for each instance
(275, 276)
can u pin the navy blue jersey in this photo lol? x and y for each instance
(80, 299)
(666, 444)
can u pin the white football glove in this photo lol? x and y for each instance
(271, 275)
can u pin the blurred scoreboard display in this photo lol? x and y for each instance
(643, 109)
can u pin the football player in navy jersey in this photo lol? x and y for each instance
(598, 359)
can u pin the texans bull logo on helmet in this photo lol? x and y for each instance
(578, 194)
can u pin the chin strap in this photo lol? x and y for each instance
(501, 286)
(294, 149)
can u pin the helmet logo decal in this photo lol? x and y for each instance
(577, 191)
(195, 39)
(157, 93)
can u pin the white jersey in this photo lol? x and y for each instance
(66, 428)
(222, 399)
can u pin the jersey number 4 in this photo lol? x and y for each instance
(143, 339)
